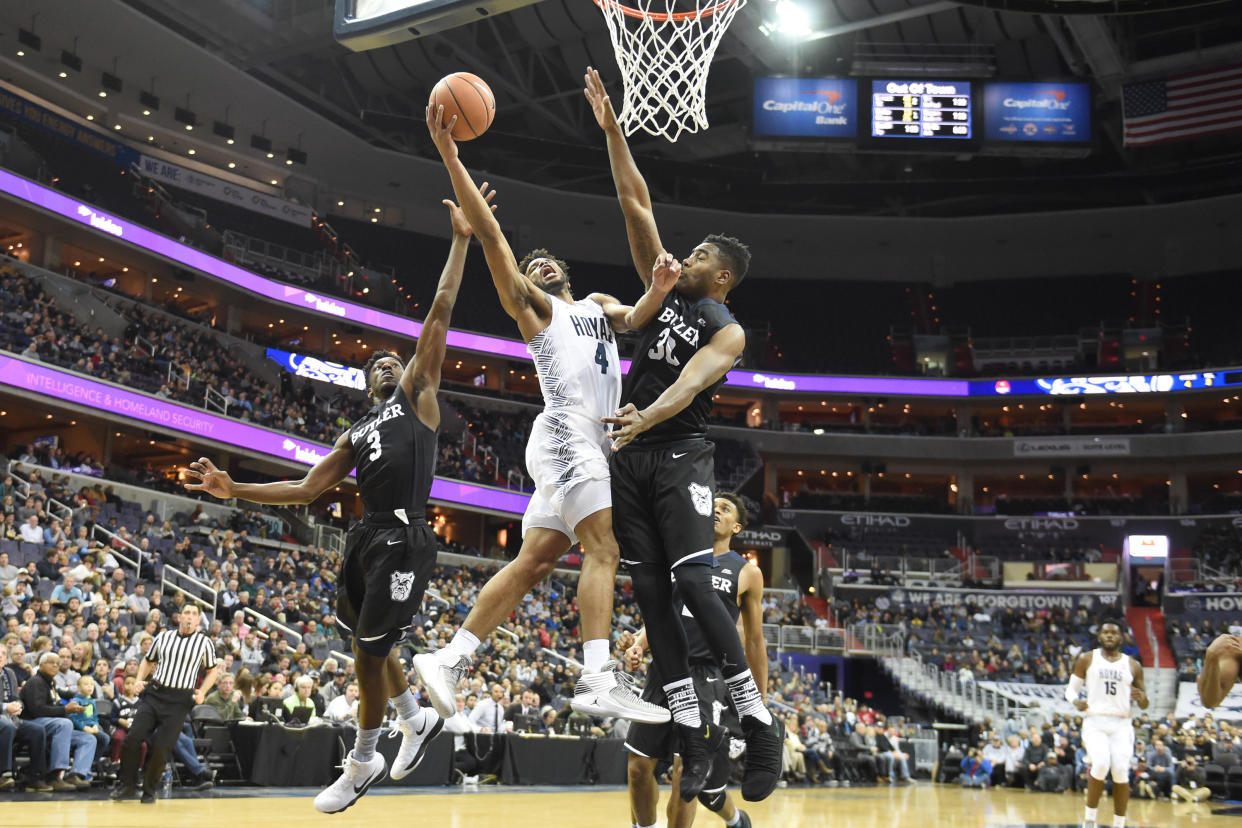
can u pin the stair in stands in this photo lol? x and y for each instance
(1138, 619)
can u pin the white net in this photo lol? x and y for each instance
(664, 56)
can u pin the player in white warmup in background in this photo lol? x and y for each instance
(574, 345)
(1112, 679)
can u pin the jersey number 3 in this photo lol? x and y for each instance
(663, 348)
(601, 358)
(373, 442)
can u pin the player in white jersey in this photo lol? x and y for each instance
(574, 346)
(1113, 679)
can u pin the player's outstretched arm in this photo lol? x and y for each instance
(750, 589)
(421, 379)
(632, 190)
(1220, 669)
(705, 367)
(325, 474)
(520, 299)
(625, 318)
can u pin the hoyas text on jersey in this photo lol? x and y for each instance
(595, 327)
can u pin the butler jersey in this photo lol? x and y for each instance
(665, 345)
(396, 456)
(726, 574)
(579, 370)
(1108, 686)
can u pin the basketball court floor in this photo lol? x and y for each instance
(921, 805)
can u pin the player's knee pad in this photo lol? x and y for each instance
(713, 800)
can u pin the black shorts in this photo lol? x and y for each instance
(385, 571)
(662, 502)
(659, 741)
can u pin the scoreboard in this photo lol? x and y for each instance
(921, 109)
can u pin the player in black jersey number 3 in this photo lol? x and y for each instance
(389, 554)
(663, 472)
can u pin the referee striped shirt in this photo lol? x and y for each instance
(178, 658)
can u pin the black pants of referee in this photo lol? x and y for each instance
(161, 713)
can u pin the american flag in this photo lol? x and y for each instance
(1184, 106)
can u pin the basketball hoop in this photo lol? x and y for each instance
(664, 56)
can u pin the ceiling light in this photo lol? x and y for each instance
(103, 94)
(146, 112)
(274, 182)
(192, 151)
(232, 165)
(117, 127)
(90, 117)
(64, 74)
(20, 53)
(340, 204)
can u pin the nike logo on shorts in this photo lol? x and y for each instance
(390, 543)
(679, 456)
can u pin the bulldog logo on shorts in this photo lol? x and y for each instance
(701, 497)
(400, 585)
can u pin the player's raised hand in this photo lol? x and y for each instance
(1081, 704)
(600, 103)
(665, 272)
(210, 479)
(631, 423)
(461, 224)
(442, 133)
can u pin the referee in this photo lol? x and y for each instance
(176, 657)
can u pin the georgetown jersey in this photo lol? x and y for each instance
(579, 370)
(664, 347)
(726, 573)
(396, 455)
(1108, 686)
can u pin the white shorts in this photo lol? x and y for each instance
(1109, 742)
(570, 471)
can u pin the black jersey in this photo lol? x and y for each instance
(726, 572)
(396, 455)
(664, 347)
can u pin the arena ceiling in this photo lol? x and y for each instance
(534, 59)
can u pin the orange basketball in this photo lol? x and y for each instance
(470, 99)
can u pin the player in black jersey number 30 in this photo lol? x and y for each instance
(389, 554)
(663, 472)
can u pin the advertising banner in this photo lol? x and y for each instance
(319, 369)
(1037, 111)
(883, 597)
(174, 175)
(1070, 446)
(1189, 703)
(32, 113)
(808, 107)
(148, 411)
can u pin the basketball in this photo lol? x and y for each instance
(469, 98)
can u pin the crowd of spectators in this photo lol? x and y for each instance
(1172, 760)
(34, 327)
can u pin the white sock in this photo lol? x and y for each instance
(737, 817)
(464, 643)
(364, 748)
(406, 704)
(683, 702)
(1119, 821)
(1091, 814)
(595, 654)
(745, 696)
(652, 825)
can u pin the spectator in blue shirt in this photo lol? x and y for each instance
(66, 590)
(976, 771)
(87, 719)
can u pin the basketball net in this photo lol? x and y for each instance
(664, 56)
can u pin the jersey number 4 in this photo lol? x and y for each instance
(373, 442)
(663, 348)
(601, 358)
